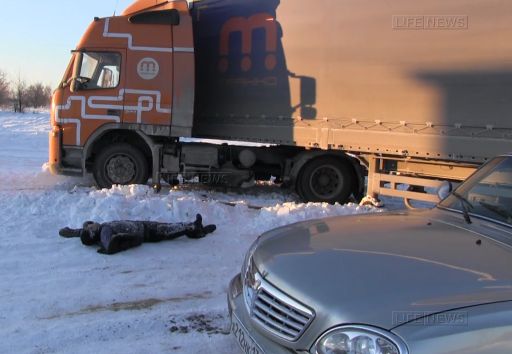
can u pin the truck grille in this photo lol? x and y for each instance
(279, 314)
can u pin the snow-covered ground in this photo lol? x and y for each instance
(58, 296)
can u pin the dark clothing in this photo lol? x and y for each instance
(117, 236)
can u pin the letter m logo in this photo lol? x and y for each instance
(246, 26)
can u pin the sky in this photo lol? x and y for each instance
(36, 36)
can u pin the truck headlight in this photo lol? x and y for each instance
(359, 340)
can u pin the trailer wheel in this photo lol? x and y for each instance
(120, 164)
(326, 179)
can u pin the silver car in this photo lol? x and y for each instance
(418, 282)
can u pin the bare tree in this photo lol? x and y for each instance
(4, 89)
(19, 95)
(38, 95)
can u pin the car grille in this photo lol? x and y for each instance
(279, 314)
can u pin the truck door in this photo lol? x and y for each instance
(149, 74)
(95, 96)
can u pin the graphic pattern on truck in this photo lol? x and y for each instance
(129, 37)
(146, 103)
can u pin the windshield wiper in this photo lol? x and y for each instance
(497, 209)
(466, 206)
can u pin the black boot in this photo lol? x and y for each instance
(200, 231)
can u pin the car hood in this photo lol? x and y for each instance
(385, 269)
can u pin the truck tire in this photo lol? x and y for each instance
(326, 179)
(120, 164)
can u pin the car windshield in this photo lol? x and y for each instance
(487, 193)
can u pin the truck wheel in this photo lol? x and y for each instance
(120, 164)
(326, 179)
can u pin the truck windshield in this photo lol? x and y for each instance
(100, 70)
(488, 193)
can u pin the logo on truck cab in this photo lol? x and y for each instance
(148, 68)
(247, 26)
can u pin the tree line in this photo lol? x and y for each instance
(18, 95)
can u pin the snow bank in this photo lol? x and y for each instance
(141, 203)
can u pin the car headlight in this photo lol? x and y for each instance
(248, 267)
(359, 340)
(249, 277)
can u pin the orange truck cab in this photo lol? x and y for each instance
(134, 73)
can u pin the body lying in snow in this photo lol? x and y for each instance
(117, 236)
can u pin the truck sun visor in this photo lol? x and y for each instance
(166, 17)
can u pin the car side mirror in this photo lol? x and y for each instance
(444, 190)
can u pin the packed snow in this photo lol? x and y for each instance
(59, 296)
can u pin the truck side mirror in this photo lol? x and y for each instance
(307, 112)
(307, 91)
(75, 85)
(307, 96)
(79, 83)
